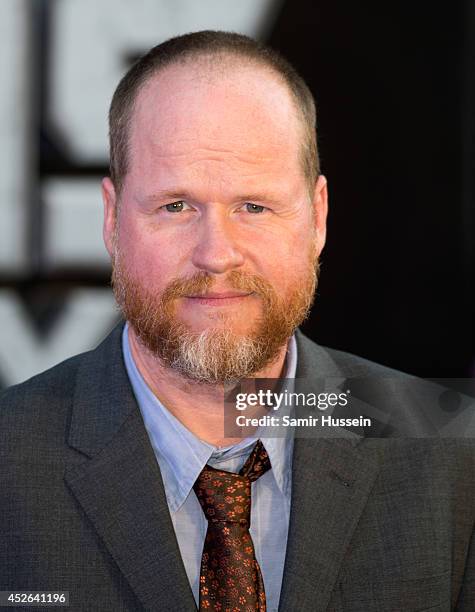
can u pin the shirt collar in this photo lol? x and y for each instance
(181, 455)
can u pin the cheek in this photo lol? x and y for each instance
(281, 263)
(154, 258)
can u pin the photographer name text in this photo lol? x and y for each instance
(287, 421)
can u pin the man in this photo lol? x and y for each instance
(121, 485)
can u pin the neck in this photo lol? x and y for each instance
(200, 408)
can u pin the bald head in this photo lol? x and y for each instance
(239, 110)
(210, 69)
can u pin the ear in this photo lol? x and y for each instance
(109, 199)
(320, 208)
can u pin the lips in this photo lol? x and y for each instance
(213, 295)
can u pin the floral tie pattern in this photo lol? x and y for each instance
(230, 577)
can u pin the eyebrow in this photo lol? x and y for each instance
(166, 195)
(176, 194)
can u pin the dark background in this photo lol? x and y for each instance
(395, 98)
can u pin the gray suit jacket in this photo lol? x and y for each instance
(376, 525)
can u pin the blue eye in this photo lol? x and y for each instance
(254, 208)
(175, 207)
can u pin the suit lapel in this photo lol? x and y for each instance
(331, 481)
(332, 477)
(117, 481)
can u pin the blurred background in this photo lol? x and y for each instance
(394, 84)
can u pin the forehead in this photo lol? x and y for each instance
(200, 115)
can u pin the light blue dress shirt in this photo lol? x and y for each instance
(181, 457)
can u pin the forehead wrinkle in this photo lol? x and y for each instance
(251, 162)
(206, 146)
(210, 173)
(193, 155)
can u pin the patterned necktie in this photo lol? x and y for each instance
(230, 577)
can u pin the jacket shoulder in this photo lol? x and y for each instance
(34, 414)
(44, 388)
(340, 363)
(398, 404)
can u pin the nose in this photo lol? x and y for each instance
(217, 248)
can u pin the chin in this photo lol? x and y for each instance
(219, 325)
(218, 320)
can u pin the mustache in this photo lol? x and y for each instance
(201, 282)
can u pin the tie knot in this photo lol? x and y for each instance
(226, 496)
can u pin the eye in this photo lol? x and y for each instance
(176, 207)
(254, 208)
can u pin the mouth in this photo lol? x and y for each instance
(218, 299)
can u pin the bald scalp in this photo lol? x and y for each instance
(235, 108)
(211, 55)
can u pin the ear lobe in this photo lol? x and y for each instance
(109, 200)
